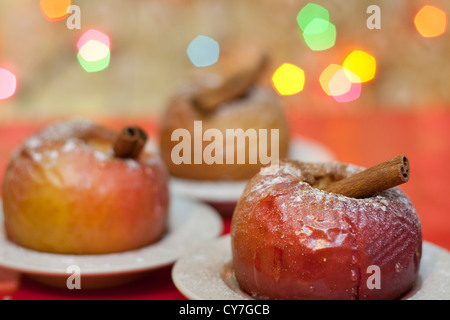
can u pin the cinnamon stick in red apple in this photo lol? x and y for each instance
(130, 142)
(381, 177)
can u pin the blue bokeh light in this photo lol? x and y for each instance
(203, 51)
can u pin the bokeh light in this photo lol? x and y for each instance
(203, 51)
(318, 32)
(430, 21)
(288, 79)
(353, 94)
(326, 76)
(310, 12)
(320, 35)
(362, 64)
(343, 85)
(55, 10)
(93, 34)
(94, 52)
(8, 84)
(339, 84)
(94, 66)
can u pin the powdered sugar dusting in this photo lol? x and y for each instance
(36, 156)
(299, 175)
(100, 156)
(64, 130)
(132, 164)
(33, 143)
(48, 145)
(53, 154)
(69, 146)
(45, 146)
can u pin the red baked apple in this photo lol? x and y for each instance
(291, 240)
(64, 191)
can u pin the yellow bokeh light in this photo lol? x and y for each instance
(430, 21)
(55, 10)
(288, 79)
(362, 64)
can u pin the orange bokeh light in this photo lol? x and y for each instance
(430, 21)
(55, 10)
(326, 76)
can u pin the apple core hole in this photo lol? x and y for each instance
(320, 182)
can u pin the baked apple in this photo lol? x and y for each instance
(292, 240)
(229, 98)
(65, 191)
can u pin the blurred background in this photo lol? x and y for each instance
(148, 60)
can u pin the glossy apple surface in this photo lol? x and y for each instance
(293, 241)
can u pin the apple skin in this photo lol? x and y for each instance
(64, 196)
(293, 241)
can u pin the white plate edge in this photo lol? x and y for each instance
(216, 228)
(218, 243)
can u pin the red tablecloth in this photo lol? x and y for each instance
(363, 139)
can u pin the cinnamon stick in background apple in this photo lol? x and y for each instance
(130, 142)
(366, 183)
(232, 87)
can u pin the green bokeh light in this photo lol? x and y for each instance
(310, 12)
(320, 35)
(94, 66)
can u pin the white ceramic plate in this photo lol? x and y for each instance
(230, 191)
(207, 274)
(190, 224)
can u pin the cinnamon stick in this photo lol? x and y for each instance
(130, 142)
(381, 177)
(232, 88)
